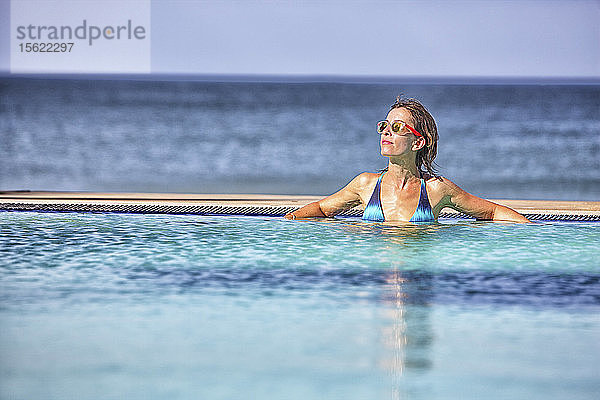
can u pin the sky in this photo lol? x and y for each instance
(368, 38)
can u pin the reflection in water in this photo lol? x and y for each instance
(393, 233)
(407, 297)
(406, 293)
(397, 339)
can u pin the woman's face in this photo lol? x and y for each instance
(400, 143)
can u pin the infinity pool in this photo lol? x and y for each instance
(118, 306)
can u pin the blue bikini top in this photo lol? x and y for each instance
(374, 211)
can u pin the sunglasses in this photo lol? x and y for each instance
(395, 126)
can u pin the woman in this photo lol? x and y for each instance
(409, 188)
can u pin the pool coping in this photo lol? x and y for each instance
(247, 204)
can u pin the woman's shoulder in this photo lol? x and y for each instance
(440, 184)
(364, 180)
(366, 177)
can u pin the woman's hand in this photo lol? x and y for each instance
(308, 211)
(502, 213)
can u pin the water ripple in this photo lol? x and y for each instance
(90, 256)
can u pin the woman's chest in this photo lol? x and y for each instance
(399, 204)
(403, 204)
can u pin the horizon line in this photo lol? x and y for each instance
(314, 78)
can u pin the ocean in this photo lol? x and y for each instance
(496, 140)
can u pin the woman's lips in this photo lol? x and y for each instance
(386, 142)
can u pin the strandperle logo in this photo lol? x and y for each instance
(84, 31)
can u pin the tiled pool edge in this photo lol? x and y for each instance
(247, 204)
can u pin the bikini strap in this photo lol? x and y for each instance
(423, 197)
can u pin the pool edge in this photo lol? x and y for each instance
(248, 204)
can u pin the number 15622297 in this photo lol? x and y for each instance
(45, 47)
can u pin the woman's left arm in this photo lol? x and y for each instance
(459, 200)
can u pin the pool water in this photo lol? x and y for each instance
(113, 306)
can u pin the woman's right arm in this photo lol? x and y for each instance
(345, 199)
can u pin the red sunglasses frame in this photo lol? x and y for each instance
(413, 130)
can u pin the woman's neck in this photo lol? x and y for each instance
(403, 170)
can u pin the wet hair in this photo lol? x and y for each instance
(424, 123)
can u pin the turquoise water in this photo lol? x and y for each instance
(113, 306)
